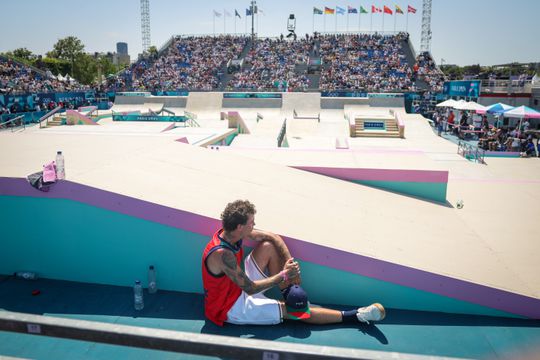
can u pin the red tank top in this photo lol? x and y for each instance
(220, 293)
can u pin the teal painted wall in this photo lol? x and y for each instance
(430, 191)
(332, 286)
(67, 240)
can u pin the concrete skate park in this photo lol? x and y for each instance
(360, 212)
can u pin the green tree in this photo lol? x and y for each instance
(56, 66)
(67, 49)
(84, 68)
(153, 51)
(22, 54)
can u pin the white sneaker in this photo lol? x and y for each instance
(373, 312)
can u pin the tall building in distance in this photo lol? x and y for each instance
(121, 56)
(122, 48)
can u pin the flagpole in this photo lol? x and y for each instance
(371, 24)
(347, 19)
(214, 23)
(245, 29)
(395, 18)
(335, 20)
(382, 23)
(234, 22)
(313, 23)
(224, 21)
(324, 22)
(360, 19)
(407, 23)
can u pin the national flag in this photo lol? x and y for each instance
(375, 9)
(410, 9)
(340, 10)
(217, 13)
(226, 13)
(398, 10)
(387, 10)
(362, 10)
(352, 10)
(236, 13)
(261, 11)
(329, 11)
(317, 11)
(248, 12)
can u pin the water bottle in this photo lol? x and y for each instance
(26, 275)
(152, 286)
(60, 169)
(138, 296)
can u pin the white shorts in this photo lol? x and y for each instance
(254, 309)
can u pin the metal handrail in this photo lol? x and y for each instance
(23, 123)
(47, 116)
(471, 152)
(282, 133)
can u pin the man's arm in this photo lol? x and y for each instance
(239, 277)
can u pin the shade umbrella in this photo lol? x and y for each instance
(497, 108)
(447, 103)
(464, 105)
(473, 106)
(459, 104)
(522, 112)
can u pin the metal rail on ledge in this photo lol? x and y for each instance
(182, 342)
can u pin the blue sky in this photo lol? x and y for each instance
(464, 32)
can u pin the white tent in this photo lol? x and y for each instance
(473, 106)
(447, 103)
(459, 104)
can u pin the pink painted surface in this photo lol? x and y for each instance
(317, 254)
(183, 140)
(170, 127)
(77, 118)
(423, 176)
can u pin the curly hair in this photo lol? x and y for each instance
(236, 213)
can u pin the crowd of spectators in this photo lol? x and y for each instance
(364, 62)
(19, 78)
(271, 64)
(468, 125)
(426, 70)
(190, 63)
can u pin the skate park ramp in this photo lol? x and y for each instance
(367, 243)
(443, 272)
(301, 102)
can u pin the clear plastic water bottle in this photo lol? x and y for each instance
(60, 166)
(152, 285)
(26, 275)
(138, 296)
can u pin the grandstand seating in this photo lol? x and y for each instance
(351, 62)
(364, 62)
(16, 77)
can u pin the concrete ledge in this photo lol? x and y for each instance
(189, 232)
(427, 184)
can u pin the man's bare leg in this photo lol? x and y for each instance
(268, 259)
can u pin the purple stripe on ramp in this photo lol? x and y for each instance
(418, 279)
(422, 176)
(115, 202)
(317, 254)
